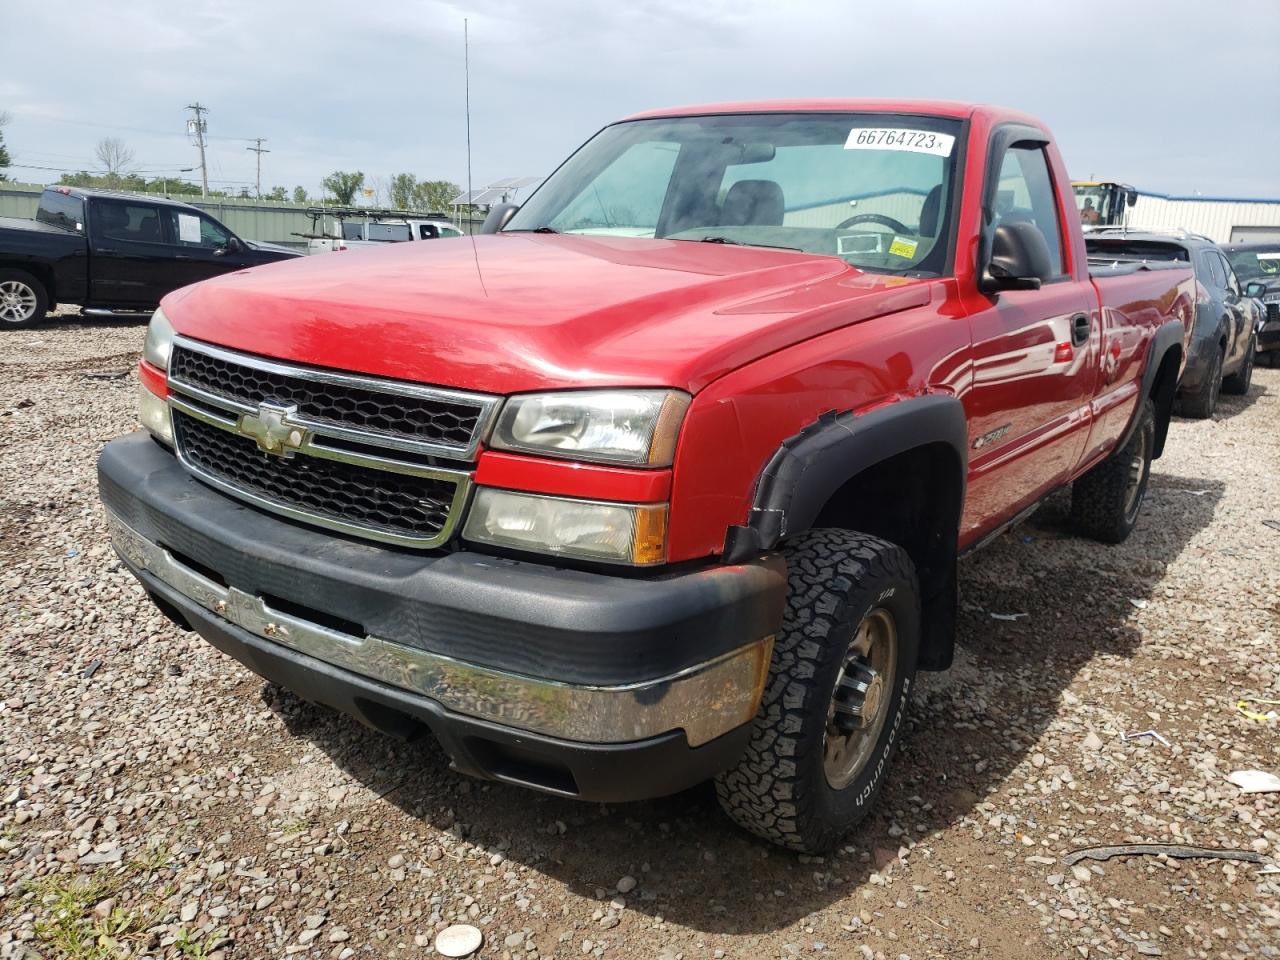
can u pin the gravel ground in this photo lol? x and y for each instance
(158, 800)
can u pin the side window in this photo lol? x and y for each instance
(1232, 283)
(1213, 270)
(626, 198)
(213, 234)
(131, 222)
(194, 230)
(427, 231)
(1025, 193)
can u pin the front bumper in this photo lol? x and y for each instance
(1269, 333)
(555, 679)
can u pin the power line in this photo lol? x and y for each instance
(36, 115)
(259, 149)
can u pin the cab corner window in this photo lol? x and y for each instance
(1025, 194)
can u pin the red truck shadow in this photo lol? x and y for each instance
(970, 730)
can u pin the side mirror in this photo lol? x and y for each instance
(1019, 259)
(499, 215)
(1255, 288)
(1131, 199)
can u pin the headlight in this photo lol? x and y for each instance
(587, 529)
(153, 413)
(608, 426)
(159, 340)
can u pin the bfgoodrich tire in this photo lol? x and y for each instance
(837, 692)
(1106, 501)
(23, 299)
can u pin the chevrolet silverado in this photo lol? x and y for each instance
(665, 477)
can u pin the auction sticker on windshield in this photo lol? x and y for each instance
(900, 138)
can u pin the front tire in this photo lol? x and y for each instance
(1106, 501)
(23, 299)
(1238, 383)
(837, 692)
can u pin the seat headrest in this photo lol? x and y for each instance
(929, 212)
(757, 202)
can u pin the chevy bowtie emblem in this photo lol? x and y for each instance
(273, 430)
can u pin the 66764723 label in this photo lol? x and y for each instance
(900, 138)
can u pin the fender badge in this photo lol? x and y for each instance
(989, 438)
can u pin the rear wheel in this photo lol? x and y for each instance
(23, 300)
(1238, 382)
(1106, 501)
(837, 692)
(1201, 404)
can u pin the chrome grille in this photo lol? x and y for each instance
(375, 472)
(407, 416)
(375, 501)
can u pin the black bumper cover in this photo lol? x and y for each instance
(528, 618)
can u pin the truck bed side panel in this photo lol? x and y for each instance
(1133, 306)
(56, 257)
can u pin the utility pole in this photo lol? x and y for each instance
(197, 126)
(259, 150)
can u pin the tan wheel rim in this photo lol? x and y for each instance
(860, 699)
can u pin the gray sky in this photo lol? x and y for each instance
(1173, 96)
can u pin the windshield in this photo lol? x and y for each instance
(1256, 264)
(1093, 203)
(873, 189)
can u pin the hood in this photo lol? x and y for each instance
(516, 312)
(272, 248)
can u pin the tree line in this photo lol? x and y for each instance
(118, 170)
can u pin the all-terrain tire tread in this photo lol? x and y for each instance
(1097, 498)
(762, 793)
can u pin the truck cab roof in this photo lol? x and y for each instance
(91, 192)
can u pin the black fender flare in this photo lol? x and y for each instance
(809, 467)
(1168, 336)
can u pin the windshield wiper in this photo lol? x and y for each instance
(744, 243)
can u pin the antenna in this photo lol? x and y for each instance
(466, 67)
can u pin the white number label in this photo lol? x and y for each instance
(188, 228)
(900, 138)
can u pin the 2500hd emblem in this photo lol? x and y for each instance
(273, 430)
(989, 438)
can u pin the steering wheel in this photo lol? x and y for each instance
(879, 218)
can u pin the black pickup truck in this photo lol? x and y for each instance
(112, 252)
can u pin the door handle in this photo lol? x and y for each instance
(1080, 327)
(106, 250)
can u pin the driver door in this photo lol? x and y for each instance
(1034, 356)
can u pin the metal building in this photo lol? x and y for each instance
(1221, 219)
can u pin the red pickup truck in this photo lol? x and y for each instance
(665, 477)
